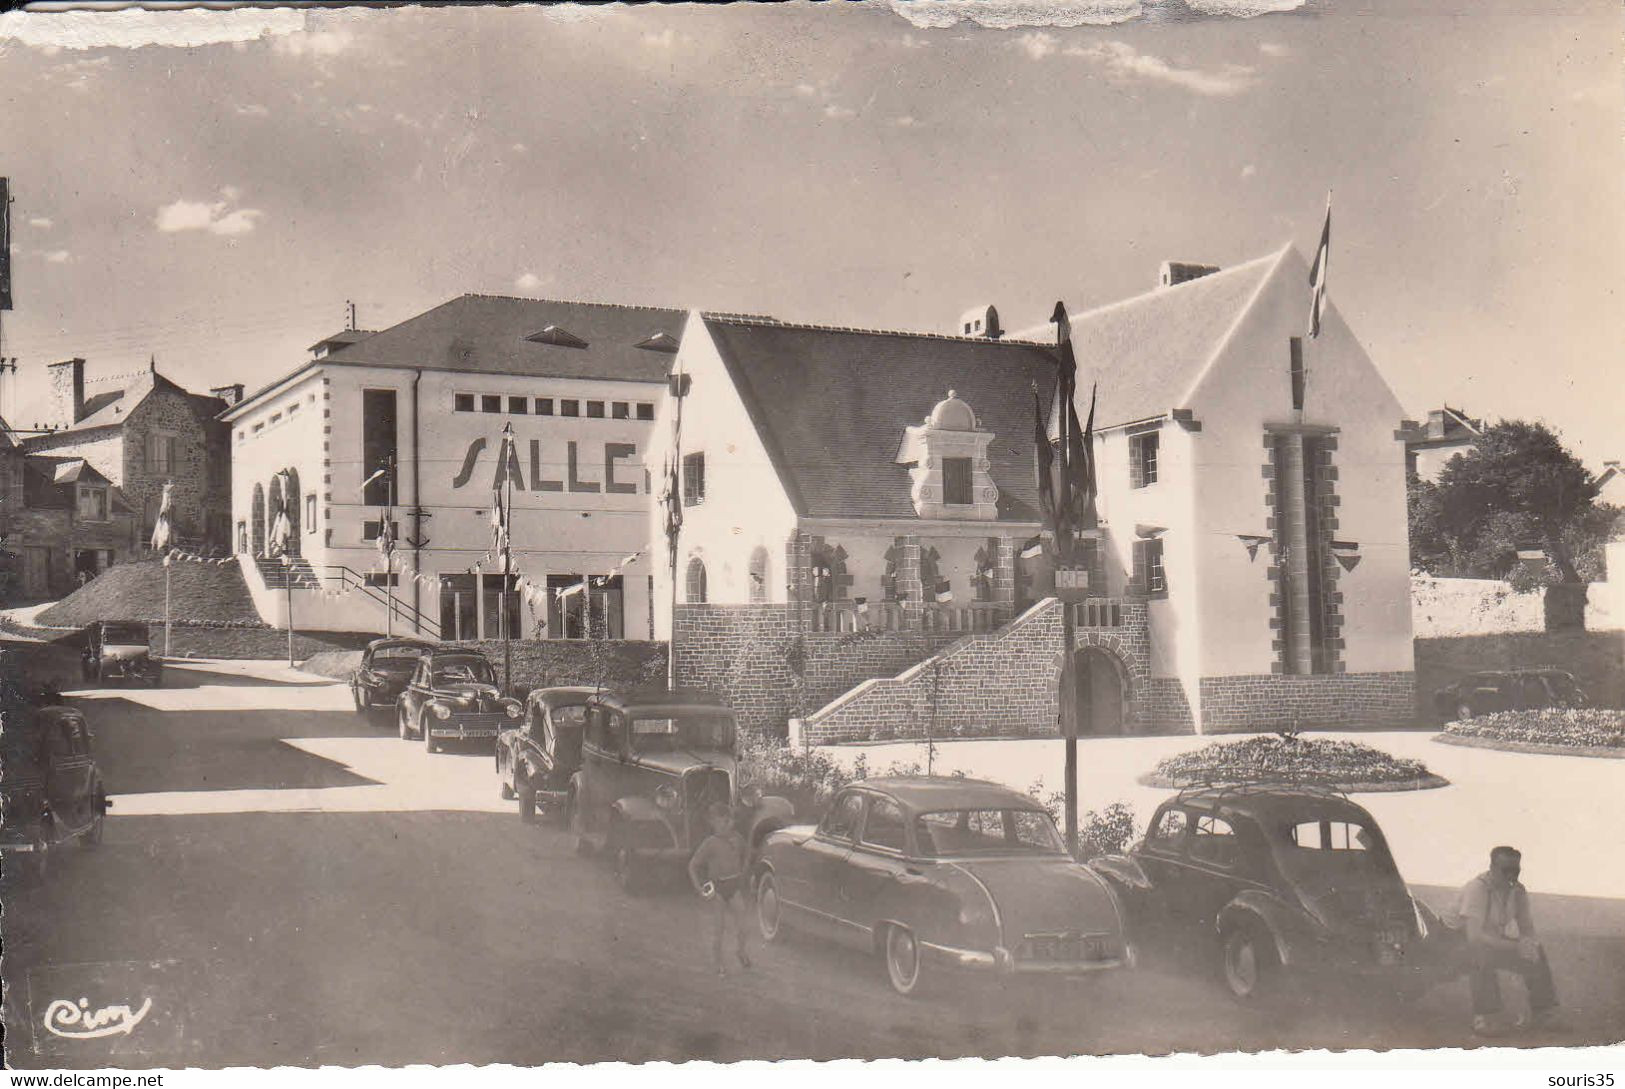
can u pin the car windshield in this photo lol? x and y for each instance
(951, 832)
(125, 635)
(1321, 851)
(470, 671)
(396, 659)
(684, 731)
(1563, 686)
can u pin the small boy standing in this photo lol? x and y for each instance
(717, 872)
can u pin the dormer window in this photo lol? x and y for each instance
(557, 337)
(92, 503)
(947, 456)
(659, 342)
(956, 482)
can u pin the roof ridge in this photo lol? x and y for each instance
(1163, 292)
(778, 323)
(1208, 364)
(567, 302)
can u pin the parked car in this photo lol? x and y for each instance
(652, 763)
(386, 667)
(1276, 880)
(537, 758)
(1508, 690)
(453, 696)
(119, 648)
(934, 873)
(52, 790)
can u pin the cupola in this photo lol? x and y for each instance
(947, 456)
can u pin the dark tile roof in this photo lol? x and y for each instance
(831, 405)
(487, 333)
(48, 483)
(115, 406)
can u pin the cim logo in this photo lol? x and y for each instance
(77, 1021)
(538, 481)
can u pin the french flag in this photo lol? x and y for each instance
(945, 593)
(1317, 275)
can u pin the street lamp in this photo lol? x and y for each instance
(287, 582)
(386, 539)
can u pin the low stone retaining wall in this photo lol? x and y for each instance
(546, 663)
(1337, 701)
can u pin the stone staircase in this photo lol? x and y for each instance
(280, 576)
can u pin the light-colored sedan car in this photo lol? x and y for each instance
(941, 873)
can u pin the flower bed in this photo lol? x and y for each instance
(1285, 759)
(1589, 731)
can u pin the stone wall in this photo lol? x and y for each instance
(1268, 701)
(63, 533)
(545, 663)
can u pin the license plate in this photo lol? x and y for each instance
(1068, 949)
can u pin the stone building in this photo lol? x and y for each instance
(139, 435)
(1430, 446)
(858, 546)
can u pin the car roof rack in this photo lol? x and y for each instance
(1253, 787)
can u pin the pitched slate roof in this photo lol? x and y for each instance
(831, 404)
(487, 333)
(115, 406)
(1147, 352)
(48, 482)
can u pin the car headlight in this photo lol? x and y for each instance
(667, 798)
(441, 711)
(750, 796)
(511, 709)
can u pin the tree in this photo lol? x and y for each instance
(1518, 488)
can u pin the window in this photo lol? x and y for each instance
(518, 405)
(544, 406)
(693, 479)
(956, 489)
(885, 827)
(758, 575)
(1149, 576)
(377, 444)
(259, 427)
(380, 579)
(1168, 833)
(161, 449)
(569, 407)
(1331, 836)
(621, 410)
(276, 417)
(310, 513)
(371, 529)
(490, 402)
(293, 408)
(696, 582)
(241, 435)
(646, 411)
(595, 410)
(93, 504)
(1296, 345)
(842, 820)
(462, 402)
(1213, 840)
(1142, 460)
(242, 536)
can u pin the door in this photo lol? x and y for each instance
(1216, 868)
(1099, 693)
(814, 880)
(36, 571)
(877, 869)
(415, 692)
(67, 784)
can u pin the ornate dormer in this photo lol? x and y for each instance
(948, 464)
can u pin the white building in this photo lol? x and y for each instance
(578, 383)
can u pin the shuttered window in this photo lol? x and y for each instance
(1142, 459)
(1149, 577)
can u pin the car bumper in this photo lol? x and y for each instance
(455, 731)
(1001, 962)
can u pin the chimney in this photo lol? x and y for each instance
(980, 321)
(68, 391)
(1174, 273)
(1436, 424)
(230, 394)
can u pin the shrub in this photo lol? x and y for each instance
(808, 778)
(1287, 758)
(1106, 831)
(1588, 727)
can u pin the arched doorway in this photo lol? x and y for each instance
(257, 519)
(1102, 691)
(292, 500)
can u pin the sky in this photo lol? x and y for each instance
(215, 202)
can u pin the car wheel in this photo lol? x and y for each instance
(902, 960)
(429, 743)
(576, 821)
(362, 702)
(527, 802)
(1464, 711)
(1250, 963)
(93, 835)
(403, 725)
(629, 873)
(505, 786)
(769, 911)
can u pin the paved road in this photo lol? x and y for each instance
(291, 885)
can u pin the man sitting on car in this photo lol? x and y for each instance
(1493, 915)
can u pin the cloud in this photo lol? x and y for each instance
(1273, 49)
(1009, 14)
(529, 281)
(1122, 59)
(1038, 44)
(663, 40)
(252, 109)
(838, 112)
(56, 257)
(1249, 170)
(132, 27)
(42, 222)
(217, 217)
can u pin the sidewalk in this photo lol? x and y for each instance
(1563, 812)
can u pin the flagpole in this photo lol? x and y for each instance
(166, 607)
(507, 559)
(389, 553)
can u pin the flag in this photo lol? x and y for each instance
(161, 529)
(863, 605)
(671, 496)
(1034, 546)
(5, 243)
(945, 592)
(1066, 480)
(281, 531)
(1317, 274)
(386, 534)
(1046, 460)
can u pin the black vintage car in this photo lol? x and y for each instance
(536, 758)
(1276, 880)
(119, 648)
(386, 667)
(453, 696)
(1508, 690)
(652, 763)
(52, 790)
